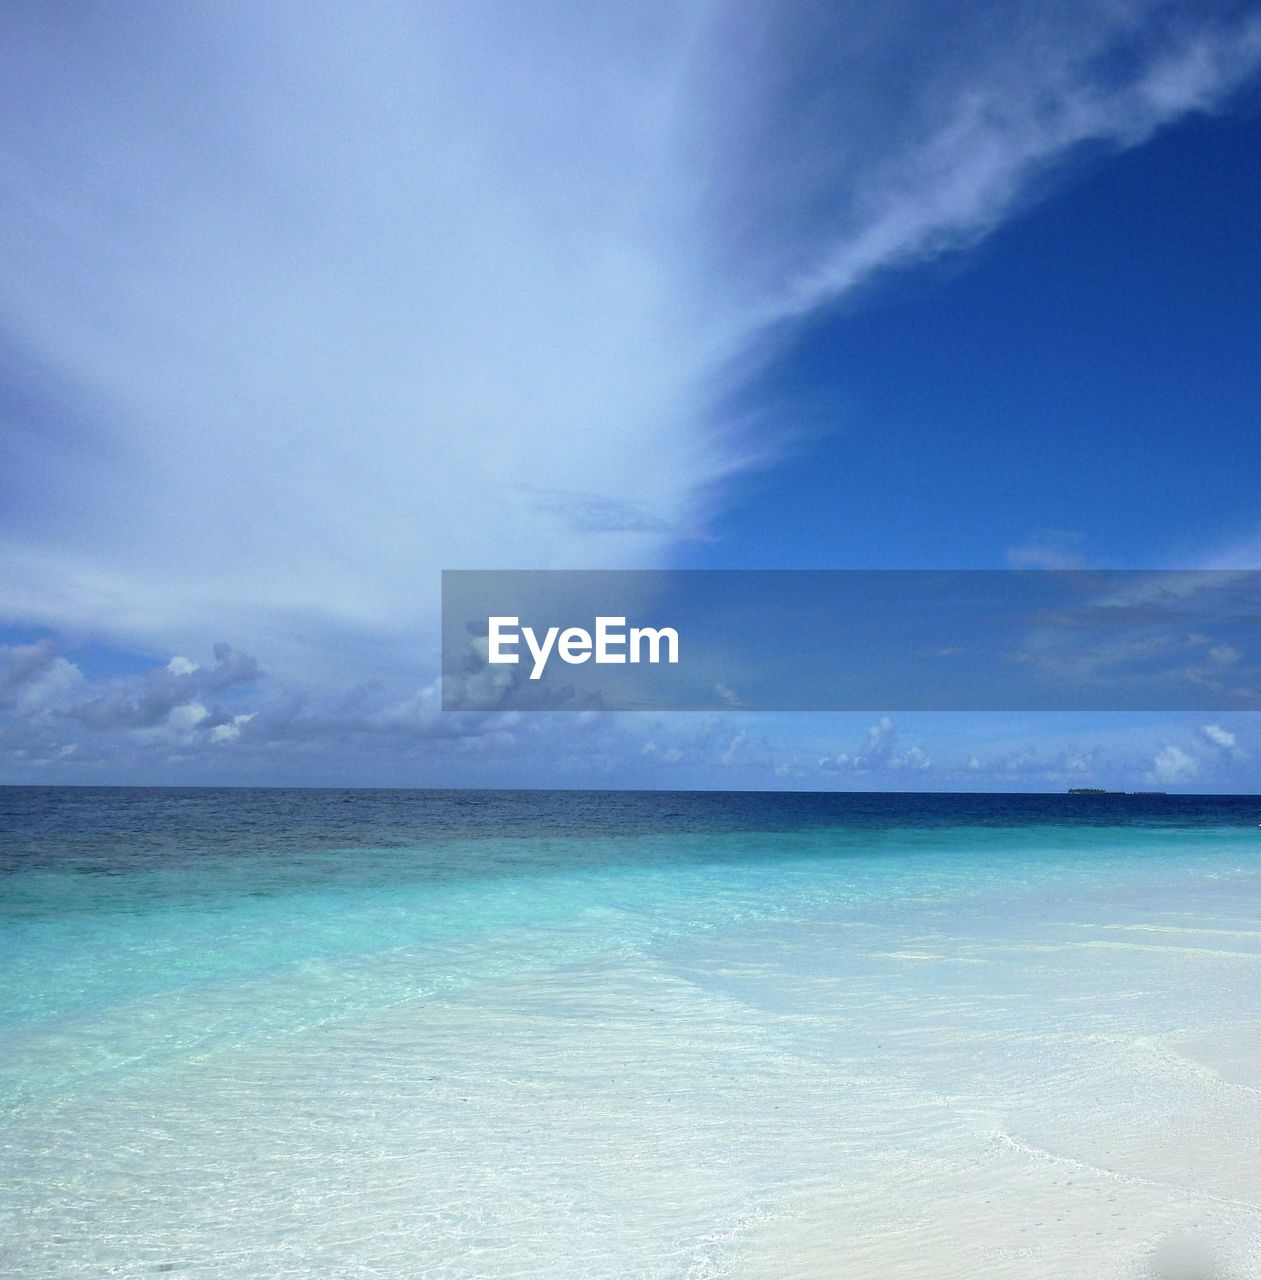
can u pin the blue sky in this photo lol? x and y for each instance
(303, 305)
(1085, 381)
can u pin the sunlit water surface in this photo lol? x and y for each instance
(481, 1035)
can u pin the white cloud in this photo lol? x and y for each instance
(942, 162)
(1225, 741)
(1173, 765)
(746, 750)
(165, 694)
(186, 717)
(229, 730)
(1050, 549)
(877, 753)
(1064, 763)
(35, 679)
(727, 694)
(913, 758)
(667, 755)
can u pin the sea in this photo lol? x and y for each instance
(472, 1035)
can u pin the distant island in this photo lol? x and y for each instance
(1099, 791)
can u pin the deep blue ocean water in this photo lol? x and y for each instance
(292, 1032)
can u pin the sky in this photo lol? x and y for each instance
(303, 304)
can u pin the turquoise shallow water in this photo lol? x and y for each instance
(508, 1034)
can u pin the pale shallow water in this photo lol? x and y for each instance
(469, 1035)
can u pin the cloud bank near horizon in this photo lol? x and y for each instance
(307, 304)
(227, 722)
